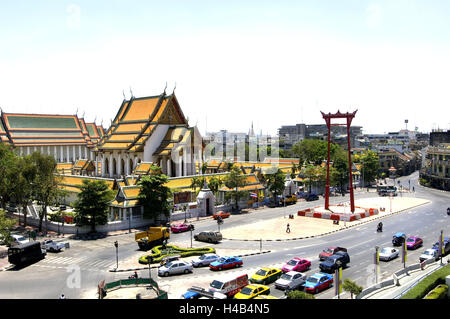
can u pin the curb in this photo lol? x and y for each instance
(145, 268)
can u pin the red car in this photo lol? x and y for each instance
(178, 228)
(414, 242)
(221, 214)
(296, 264)
(330, 251)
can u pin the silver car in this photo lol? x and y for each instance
(175, 267)
(290, 280)
(388, 253)
(204, 260)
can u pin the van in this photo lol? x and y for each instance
(230, 285)
(209, 236)
(25, 253)
(19, 239)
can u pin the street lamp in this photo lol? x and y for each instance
(116, 244)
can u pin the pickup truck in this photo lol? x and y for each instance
(51, 245)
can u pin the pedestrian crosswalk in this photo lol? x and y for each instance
(82, 262)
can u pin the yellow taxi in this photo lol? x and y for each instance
(265, 297)
(266, 276)
(251, 291)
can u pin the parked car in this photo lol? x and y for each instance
(446, 244)
(429, 254)
(339, 259)
(251, 291)
(311, 197)
(204, 260)
(318, 282)
(296, 264)
(226, 263)
(175, 267)
(209, 236)
(179, 228)
(221, 214)
(398, 239)
(388, 253)
(414, 242)
(51, 245)
(330, 251)
(19, 239)
(266, 276)
(290, 281)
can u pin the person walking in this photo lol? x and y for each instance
(288, 230)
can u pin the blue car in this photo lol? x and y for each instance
(226, 263)
(318, 282)
(398, 239)
(191, 295)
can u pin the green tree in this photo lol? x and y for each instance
(214, 184)
(313, 150)
(91, 206)
(370, 166)
(6, 226)
(154, 196)
(234, 180)
(352, 287)
(297, 294)
(275, 183)
(197, 183)
(45, 184)
(7, 160)
(339, 171)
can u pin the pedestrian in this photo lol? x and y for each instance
(288, 230)
(62, 296)
(413, 189)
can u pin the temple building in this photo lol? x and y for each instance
(152, 130)
(66, 137)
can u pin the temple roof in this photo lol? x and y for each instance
(136, 120)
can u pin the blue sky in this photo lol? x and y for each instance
(271, 62)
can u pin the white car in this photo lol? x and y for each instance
(290, 280)
(428, 254)
(388, 253)
(175, 267)
(204, 260)
(19, 239)
(51, 245)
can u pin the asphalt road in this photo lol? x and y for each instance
(79, 269)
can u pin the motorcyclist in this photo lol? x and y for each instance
(380, 226)
(134, 276)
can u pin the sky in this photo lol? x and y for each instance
(232, 63)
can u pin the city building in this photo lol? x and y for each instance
(436, 170)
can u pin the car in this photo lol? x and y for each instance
(296, 264)
(251, 291)
(290, 281)
(19, 239)
(330, 251)
(51, 245)
(179, 228)
(448, 210)
(204, 260)
(318, 282)
(174, 268)
(428, 254)
(414, 242)
(168, 259)
(226, 263)
(388, 253)
(266, 276)
(311, 197)
(265, 297)
(221, 214)
(398, 239)
(208, 236)
(446, 245)
(339, 259)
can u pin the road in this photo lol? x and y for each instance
(77, 271)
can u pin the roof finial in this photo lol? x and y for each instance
(76, 113)
(131, 92)
(165, 89)
(174, 88)
(123, 93)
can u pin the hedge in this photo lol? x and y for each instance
(158, 255)
(440, 292)
(428, 283)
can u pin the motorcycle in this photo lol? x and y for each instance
(134, 276)
(379, 228)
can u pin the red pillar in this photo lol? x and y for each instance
(327, 186)
(352, 198)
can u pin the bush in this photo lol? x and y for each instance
(428, 283)
(440, 292)
(171, 250)
(296, 294)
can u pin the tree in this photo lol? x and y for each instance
(7, 160)
(275, 183)
(91, 206)
(313, 150)
(154, 195)
(24, 172)
(339, 171)
(214, 184)
(370, 165)
(6, 226)
(297, 294)
(45, 184)
(197, 182)
(234, 180)
(352, 287)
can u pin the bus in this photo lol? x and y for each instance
(387, 190)
(25, 253)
